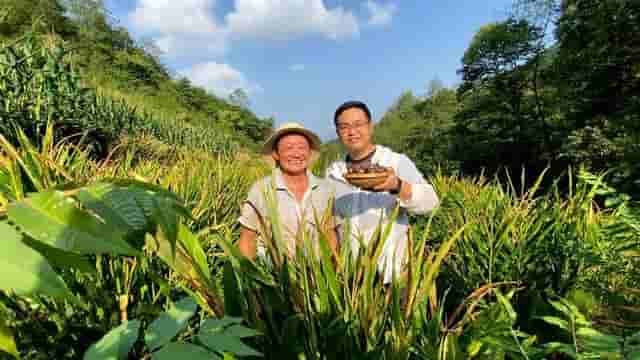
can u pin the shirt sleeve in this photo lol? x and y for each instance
(251, 209)
(423, 196)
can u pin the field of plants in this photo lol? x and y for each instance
(119, 236)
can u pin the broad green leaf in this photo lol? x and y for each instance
(7, 342)
(114, 205)
(240, 331)
(170, 323)
(61, 259)
(214, 333)
(57, 221)
(116, 344)
(25, 271)
(226, 343)
(217, 325)
(184, 351)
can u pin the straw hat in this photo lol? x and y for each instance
(290, 128)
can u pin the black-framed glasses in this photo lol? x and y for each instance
(357, 125)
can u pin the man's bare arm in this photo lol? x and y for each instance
(247, 243)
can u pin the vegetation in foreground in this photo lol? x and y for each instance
(489, 274)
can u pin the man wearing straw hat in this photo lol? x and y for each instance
(301, 197)
(365, 209)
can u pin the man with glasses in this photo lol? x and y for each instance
(365, 209)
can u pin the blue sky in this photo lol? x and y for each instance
(299, 59)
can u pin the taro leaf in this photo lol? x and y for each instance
(218, 325)
(241, 331)
(61, 259)
(25, 271)
(113, 203)
(184, 351)
(226, 343)
(216, 334)
(56, 220)
(170, 323)
(116, 344)
(136, 208)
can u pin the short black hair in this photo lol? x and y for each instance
(350, 105)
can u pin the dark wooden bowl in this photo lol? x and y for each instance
(366, 180)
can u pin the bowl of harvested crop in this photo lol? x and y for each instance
(366, 177)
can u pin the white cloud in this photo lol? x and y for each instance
(286, 19)
(170, 16)
(187, 28)
(180, 27)
(380, 14)
(296, 67)
(221, 79)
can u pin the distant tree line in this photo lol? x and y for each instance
(555, 85)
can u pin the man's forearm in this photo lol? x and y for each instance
(405, 191)
(247, 243)
(418, 198)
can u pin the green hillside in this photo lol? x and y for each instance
(129, 75)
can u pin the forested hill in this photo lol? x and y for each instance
(126, 70)
(534, 96)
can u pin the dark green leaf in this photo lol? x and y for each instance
(170, 323)
(232, 295)
(61, 259)
(184, 351)
(116, 344)
(226, 343)
(56, 220)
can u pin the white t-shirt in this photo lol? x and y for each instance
(363, 209)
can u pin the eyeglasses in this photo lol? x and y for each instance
(357, 125)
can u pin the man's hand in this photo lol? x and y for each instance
(391, 182)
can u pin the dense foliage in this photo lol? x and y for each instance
(535, 99)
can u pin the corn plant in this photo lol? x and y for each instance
(38, 85)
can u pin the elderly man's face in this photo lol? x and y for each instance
(293, 152)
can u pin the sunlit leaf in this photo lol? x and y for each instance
(170, 323)
(24, 270)
(116, 344)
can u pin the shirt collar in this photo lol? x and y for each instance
(314, 181)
